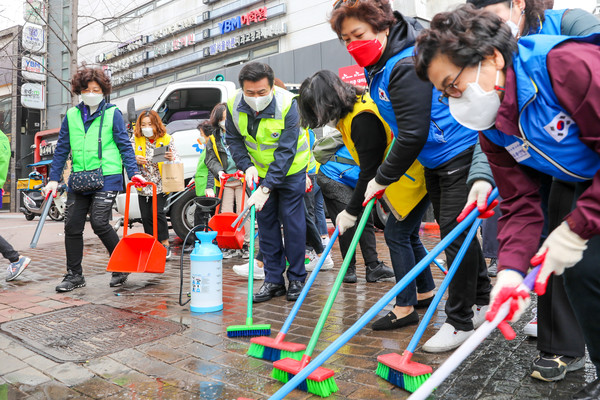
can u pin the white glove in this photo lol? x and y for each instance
(209, 193)
(51, 186)
(258, 198)
(480, 191)
(309, 184)
(374, 189)
(345, 221)
(506, 286)
(252, 177)
(221, 175)
(564, 248)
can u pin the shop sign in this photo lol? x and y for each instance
(240, 21)
(33, 96)
(170, 30)
(33, 38)
(354, 75)
(33, 68)
(47, 148)
(35, 11)
(245, 38)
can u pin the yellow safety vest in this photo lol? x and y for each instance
(140, 148)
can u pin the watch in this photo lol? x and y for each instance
(265, 189)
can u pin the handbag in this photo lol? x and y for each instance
(93, 180)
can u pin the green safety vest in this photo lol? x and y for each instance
(262, 149)
(84, 145)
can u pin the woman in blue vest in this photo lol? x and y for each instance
(78, 136)
(382, 41)
(544, 103)
(559, 338)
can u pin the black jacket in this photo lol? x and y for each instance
(410, 98)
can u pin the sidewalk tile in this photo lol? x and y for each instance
(19, 351)
(9, 363)
(69, 373)
(53, 304)
(106, 367)
(28, 376)
(98, 388)
(40, 362)
(38, 310)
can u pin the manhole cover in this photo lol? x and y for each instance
(81, 333)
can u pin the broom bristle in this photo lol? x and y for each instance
(324, 388)
(248, 330)
(256, 350)
(405, 381)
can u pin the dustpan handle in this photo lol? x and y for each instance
(154, 208)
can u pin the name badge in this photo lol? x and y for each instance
(517, 151)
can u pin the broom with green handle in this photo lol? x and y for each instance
(250, 329)
(321, 381)
(275, 349)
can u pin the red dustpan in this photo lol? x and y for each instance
(228, 237)
(139, 252)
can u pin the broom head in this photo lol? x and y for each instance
(401, 371)
(248, 330)
(273, 349)
(319, 382)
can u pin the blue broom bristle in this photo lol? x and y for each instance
(302, 386)
(262, 332)
(396, 378)
(271, 354)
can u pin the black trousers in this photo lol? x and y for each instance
(145, 203)
(8, 251)
(448, 191)
(333, 193)
(78, 206)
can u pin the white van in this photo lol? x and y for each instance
(182, 107)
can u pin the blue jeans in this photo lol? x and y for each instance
(406, 250)
(319, 210)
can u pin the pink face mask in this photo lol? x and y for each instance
(365, 52)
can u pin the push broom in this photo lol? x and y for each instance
(275, 349)
(399, 369)
(472, 342)
(303, 373)
(320, 382)
(250, 329)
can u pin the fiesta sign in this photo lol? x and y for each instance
(238, 22)
(33, 96)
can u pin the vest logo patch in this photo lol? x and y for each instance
(140, 148)
(558, 128)
(517, 151)
(275, 135)
(383, 95)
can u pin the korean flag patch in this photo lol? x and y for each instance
(383, 95)
(558, 128)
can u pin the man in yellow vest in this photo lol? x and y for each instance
(265, 140)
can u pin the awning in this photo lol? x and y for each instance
(40, 163)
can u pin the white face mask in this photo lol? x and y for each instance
(514, 28)
(91, 99)
(202, 139)
(332, 123)
(222, 124)
(148, 132)
(259, 103)
(476, 109)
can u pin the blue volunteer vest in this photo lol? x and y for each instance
(549, 139)
(341, 172)
(552, 23)
(446, 139)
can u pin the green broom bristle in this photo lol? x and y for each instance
(280, 375)
(324, 388)
(412, 383)
(382, 371)
(296, 355)
(248, 330)
(405, 381)
(256, 350)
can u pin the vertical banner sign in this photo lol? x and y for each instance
(33, 68)
(33, 96)
(35, 11)
(33, 39)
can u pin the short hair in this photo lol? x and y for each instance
(85, 75)
(155, 120)
(256, 71)
(324, 97)
(377, 13)
(534, 12)
(217, 114)
(466, 36)
(206, 128)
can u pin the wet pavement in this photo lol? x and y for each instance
(201, 362)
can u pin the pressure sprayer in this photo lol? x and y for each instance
(206, 278)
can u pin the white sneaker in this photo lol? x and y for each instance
(314, 260)
(479, 315)
(531, 328)
(243, 270)
(446, 339)
(325, 241)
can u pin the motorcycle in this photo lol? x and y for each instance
(33, 202)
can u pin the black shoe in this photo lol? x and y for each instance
(294, 289)
(71, 281)
(391, 322)
(424, 303)
(267, 291)
(169, 253)
(378, 272)
(493, 268)
(350, 276)
(118, 279)
(590, 392)
(551, 367)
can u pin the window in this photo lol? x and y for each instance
(187, 74)
(164, 80)
(144, 86)
(265, 51)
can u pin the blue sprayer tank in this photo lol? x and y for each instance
(206, 274)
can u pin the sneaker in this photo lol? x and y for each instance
(551, 367)
(325, 241)
(493, 267)
(378, 271)
(479, 315)
(169, 253)
(531, 328)
(15, 269)
(229, 253)
(446, 339)
(244, 270)
(314, 260)
(118, 279)
(70, 281)
(245, 252)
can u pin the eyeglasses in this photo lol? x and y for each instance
(350, 3)
(95, 91)
(451, 90)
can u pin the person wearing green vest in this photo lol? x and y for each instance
(79, 136)
(264, 137)
(18, 263)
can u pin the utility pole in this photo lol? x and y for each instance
(73, 47)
